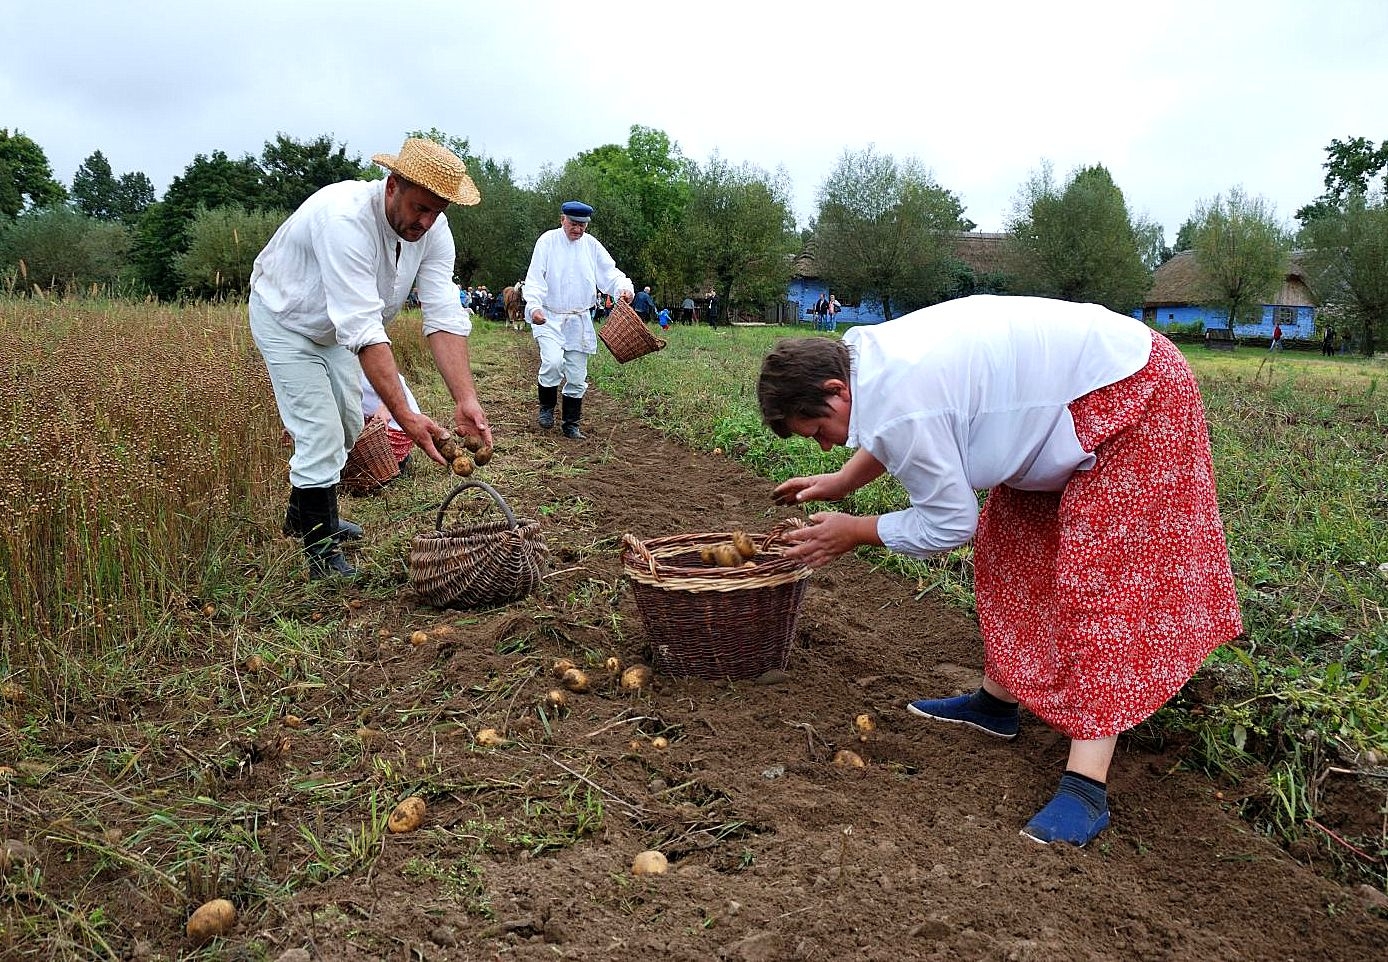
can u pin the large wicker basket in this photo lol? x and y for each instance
(370, 464)
(715, 623)
(626, 335)
(468, 566)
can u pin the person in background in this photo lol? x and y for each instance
(688, 311)
(663, 318)
(1276, 344)
(1102, 574)
(373, 407)
(821, 313)
(322, 291)
(1328, 342)
(567, 269)
(644, 305)
(832, 313)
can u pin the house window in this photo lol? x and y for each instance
(1284, 315)
(1149, 315)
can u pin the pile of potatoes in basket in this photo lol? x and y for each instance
(737, 552)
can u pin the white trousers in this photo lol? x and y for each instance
(557, 363)
(318, 392)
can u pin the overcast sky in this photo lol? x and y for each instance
(1181, 100)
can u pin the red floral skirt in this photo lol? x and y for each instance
(1098, 602)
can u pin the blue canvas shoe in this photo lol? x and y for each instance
(1078, 812)
(965, 710)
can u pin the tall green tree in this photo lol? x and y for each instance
(1080, 243)
(884, 230)
(739, 233)
(207, 183)
(1347, 257)
(1350, 169)
(1242, 252)
(293, 170)
(26, 179)
(94, 187)
(98, 193)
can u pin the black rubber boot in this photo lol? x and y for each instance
(549, 396)
(294, 527)
(319, 522)
(573, 413)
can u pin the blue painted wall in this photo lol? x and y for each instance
(805, 291)
(1304, 326)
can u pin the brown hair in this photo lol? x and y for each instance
(792, 379)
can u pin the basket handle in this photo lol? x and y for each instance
(500, 502)
(641, 551)
(779, 529)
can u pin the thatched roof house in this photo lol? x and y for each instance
(1176, 297)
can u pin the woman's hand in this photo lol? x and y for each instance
(816, 487)
(828, 535)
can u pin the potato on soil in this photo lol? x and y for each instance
(556, 699)
(575, 679)
(418, 638)
(865, 726)
(483, 455)
(843, 758)
(211, 919)
(408, 815)
(636, 678)
(650, 862)
(462, 465)
(490, 738)
(562, 665)
(613, 665)
(660, 743)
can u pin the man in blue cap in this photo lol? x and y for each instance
(566, 270)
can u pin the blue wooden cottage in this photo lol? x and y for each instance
(983, 253)
(1174, 300)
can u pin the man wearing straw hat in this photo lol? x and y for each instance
(568, 266)
(335, 273)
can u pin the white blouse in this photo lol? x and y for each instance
(973, 393)
(332, 272)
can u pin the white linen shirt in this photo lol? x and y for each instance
(331, 273)
(561, 281)
(974, 393)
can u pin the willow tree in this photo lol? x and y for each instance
(885, 230)
(1079, 242)
(1347, 258)
(1242, 253)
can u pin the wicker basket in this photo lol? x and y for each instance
(626, 335)
(370, 464)
(467, 566)
(715, 623)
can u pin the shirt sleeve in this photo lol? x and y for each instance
(438, 295)
(610, 279)
(536, 286)
(925, 454)
(346, 254)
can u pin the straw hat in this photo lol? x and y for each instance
(433, 167)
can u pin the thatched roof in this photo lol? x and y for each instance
(983, 253)
(1177, 283)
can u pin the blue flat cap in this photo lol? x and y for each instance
(576, 211)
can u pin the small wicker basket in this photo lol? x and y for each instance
(626, 335)
(467, 566)
(370, 464)
(715, 623)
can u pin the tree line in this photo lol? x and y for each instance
(884, 229)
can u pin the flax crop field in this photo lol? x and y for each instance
(142, 486)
